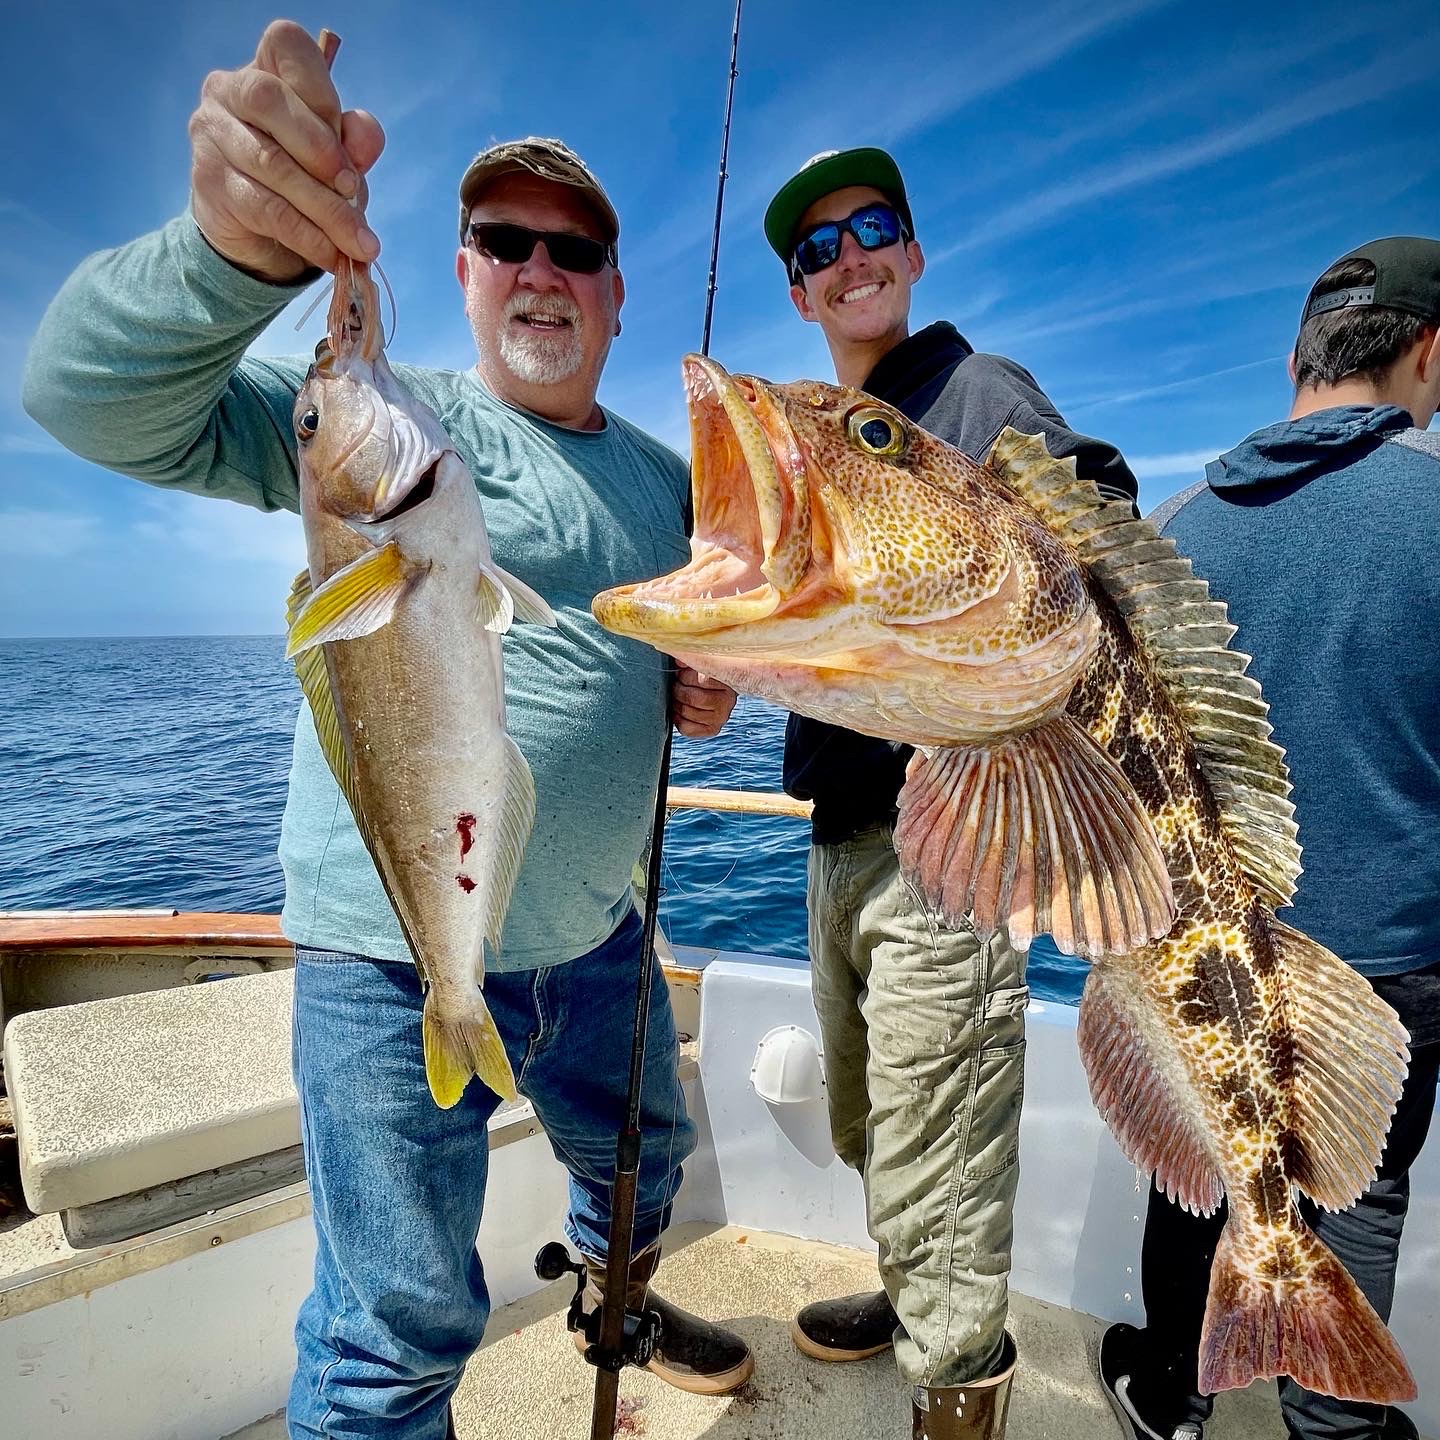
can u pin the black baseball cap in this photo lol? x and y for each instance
(822, 175)
(1407, 277)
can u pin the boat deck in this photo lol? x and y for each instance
(528, 1380)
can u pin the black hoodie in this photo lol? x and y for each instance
(935, 379)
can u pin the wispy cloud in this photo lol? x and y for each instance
(47, 534)
(921, 88)
(1126, 397)
(224, 531)
(1183, 462)
(1384, 77)
(30, 445)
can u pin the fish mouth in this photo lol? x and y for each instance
(750, 544)
(403, 499)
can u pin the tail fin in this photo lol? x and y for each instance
(457, 1047)
(1314, 1326)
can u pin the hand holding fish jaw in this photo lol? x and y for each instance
(276, 162)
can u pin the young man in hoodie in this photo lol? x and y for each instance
(1308, 531)
(939, 1195)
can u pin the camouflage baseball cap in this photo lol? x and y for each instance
(549, 159)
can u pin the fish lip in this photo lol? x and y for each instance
(729, 550)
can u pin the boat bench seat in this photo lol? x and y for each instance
(149, 1104)
(139, 1111)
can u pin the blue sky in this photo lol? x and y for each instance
(1130, 197)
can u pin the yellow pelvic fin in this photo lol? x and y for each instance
(354, 601)
(314, 677)
(457, 1047)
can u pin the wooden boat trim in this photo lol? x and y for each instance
(170, 929)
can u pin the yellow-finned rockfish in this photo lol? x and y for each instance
(395, 632)
(1092, 763)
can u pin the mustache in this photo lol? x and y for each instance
(543, 307)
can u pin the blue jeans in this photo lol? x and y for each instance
(397, 1184)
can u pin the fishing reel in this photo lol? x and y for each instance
(641, 1335)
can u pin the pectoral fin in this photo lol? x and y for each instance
(1042, 834)
(501, 600)
(354, 601)
(530, 608)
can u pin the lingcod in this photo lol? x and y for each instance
(1092, 762)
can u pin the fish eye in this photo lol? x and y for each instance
(307, 424)
(875, 432)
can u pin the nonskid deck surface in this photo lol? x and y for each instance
(527, 1380)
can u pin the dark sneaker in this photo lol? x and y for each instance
(854, 1327)
(1117, 1346)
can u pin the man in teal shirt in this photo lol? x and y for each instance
(140, 365)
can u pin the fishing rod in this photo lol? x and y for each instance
(621, 1337)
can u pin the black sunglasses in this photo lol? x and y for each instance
(873, 226)
(515, 244)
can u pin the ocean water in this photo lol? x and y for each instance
(138, 773)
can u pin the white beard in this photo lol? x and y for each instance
(537, 357)
(542, 358)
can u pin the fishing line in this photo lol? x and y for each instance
(622, 1340)
(329, 290)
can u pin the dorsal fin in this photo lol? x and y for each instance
(1185, 635)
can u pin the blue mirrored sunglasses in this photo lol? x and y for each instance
(873, 226)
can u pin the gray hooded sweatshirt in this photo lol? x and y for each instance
(1319, 535)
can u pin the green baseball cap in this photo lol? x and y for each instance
(822, 175)
(1407, 277)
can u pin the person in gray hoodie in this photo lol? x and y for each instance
(1309, 531)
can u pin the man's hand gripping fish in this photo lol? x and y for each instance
(1094, 764)
(395, 631)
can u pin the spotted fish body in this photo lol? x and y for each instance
(1236, 1056)
(1081, 724)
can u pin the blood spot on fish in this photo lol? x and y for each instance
(465, 883)
(465, 827)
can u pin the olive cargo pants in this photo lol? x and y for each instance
(924, 1037)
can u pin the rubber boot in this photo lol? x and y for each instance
(854, 1327)
(977, 1411)
(692, 1354)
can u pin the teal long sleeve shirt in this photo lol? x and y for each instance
(139, 365)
